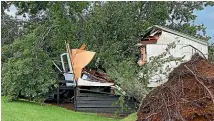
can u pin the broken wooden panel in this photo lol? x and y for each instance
(142, 60)
(97, 76)
(79, 58)
(150, 38)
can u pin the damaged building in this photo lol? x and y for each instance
(93, 91)
(155, 42)
(86, 89)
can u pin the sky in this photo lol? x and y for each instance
(12, 11)
(205, 16)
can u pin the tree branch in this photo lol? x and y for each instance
(195, 49)
(210, 93)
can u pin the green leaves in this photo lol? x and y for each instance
(111, 29)
(28, 72)
(35, 6)
(211, 53)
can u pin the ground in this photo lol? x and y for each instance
(131, 117)
(25, 111)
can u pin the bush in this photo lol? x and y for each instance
(28, 72)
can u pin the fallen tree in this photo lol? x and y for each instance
(187, 96)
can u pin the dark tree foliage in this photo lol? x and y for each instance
(111, 29)
(211, 53)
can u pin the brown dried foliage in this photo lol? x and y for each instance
(187, 96)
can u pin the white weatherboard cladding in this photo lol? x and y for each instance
(179, 51)
(155, 50)
(167, 38)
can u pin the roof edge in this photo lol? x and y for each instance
(201, 41)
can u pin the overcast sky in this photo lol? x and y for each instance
(205, 17)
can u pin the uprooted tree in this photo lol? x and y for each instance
(187, 96)
(111, 29)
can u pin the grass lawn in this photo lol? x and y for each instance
(28, 111)
(131, 117)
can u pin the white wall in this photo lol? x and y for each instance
(178, 51)
(167, 38)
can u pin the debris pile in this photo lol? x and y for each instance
(99, 76)
(187, 96)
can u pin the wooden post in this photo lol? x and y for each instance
(58, 94)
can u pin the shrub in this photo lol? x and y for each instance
(28, 72)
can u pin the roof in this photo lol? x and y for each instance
(201, 41)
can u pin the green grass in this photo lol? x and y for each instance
(28, 111)
(132, 117)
